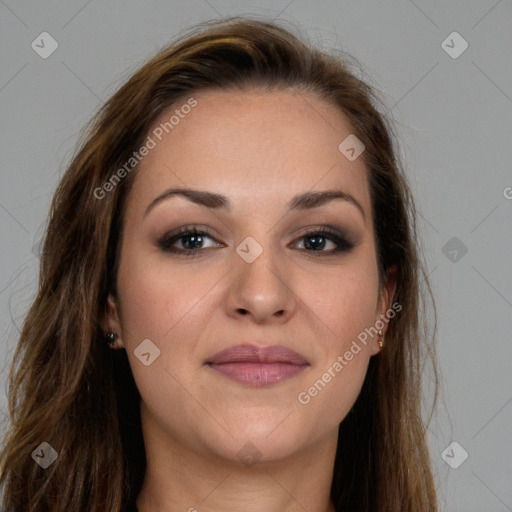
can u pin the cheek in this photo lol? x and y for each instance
(329, 396)
(170, 309)
(342, 301)
(158, 300)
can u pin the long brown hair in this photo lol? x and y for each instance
(69, 390)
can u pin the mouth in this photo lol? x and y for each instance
(258, 366)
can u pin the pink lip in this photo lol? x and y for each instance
(258, 366)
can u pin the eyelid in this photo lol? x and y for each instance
(316, 228)
(339, 232)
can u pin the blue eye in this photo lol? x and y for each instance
(192, 241)
(190, 238)
(316, 241)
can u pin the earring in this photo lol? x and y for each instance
(381, 339)
(111, 338)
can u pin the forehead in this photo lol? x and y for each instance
(254, 146)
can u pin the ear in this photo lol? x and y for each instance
(111, 321)
(387, 293)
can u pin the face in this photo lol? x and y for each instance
(263, 267)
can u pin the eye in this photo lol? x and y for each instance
(318, 240)
(191, 240)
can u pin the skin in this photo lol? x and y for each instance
(259, 149)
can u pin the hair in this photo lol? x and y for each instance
(66, 387)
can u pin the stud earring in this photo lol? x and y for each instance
(111, 338)
(381, 339)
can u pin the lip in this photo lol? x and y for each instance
(258, 366)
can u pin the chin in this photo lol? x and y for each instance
(265, 438)
(250, 450)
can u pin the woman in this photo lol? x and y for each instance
(229, 314)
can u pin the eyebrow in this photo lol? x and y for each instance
(304, 201)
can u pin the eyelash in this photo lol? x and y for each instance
(166, 242)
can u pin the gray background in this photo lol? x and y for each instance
(454, 119)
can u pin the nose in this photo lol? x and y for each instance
(261, 290)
